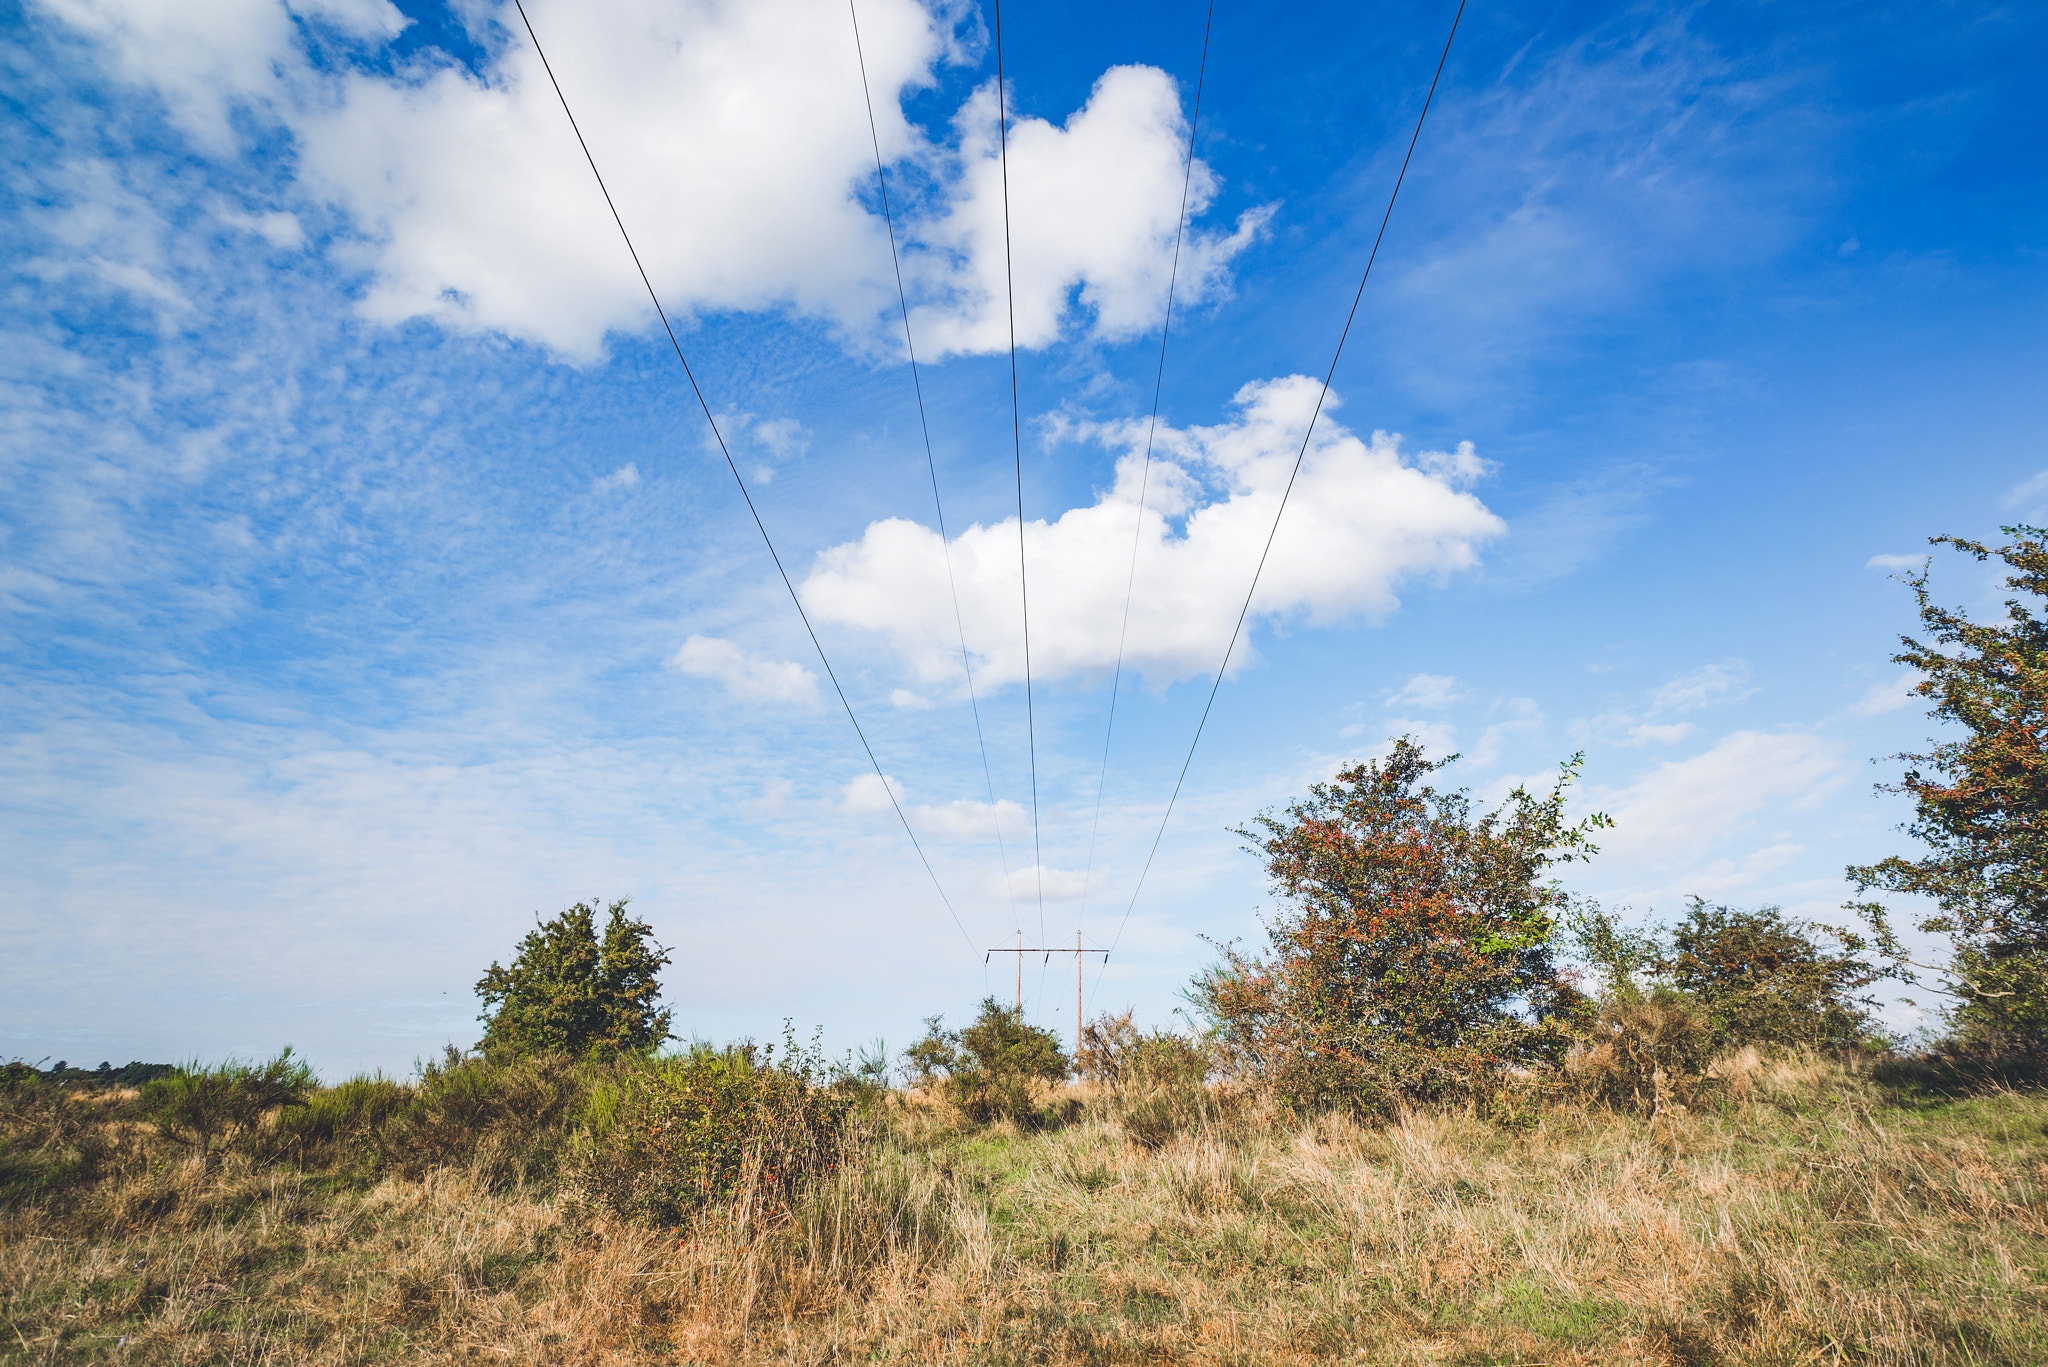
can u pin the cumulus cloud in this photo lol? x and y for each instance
(205, 58)
(625, 477)
(1028, 883)
(968, 820)
(1674, 811)
(1363, 518)
(1895, 562)
(735, 139)
(871, 793)
(1093, 207)
(747, 676)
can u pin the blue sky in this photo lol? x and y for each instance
(369, 582)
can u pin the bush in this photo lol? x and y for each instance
(510, 1119)
(988, 1068)
(706, 1127)
(200, 1106)
(1414, 957)
(1761, 979)
(1643, 1052)
(1117, 1054)
(567, 992)
(343, 1124)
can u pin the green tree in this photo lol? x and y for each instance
(988, 1066)
(1762, 979)
(1980, 807)
(1415, 953)
(569, 991)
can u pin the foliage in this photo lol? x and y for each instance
(705, 1127)
(1643, 1050)
(1980, 806)
(1761, 979)
(1415, 955)
(105, 1076)
(199, 1105)
(1621, 959)
(988, 1067)
(568, 992)
(1117, 1054)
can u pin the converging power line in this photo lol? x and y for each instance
(1328, 375)
(745, 494)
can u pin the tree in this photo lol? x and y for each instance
(1415, 954)
(1980, 807)
(567, 991)
(988, 1066)
(1761, 979)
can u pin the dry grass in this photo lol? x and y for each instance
(1807, 1217)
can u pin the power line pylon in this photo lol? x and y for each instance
(1077, 950)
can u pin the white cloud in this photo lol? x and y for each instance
(1093, 207)
(1713, 685)
(903, 697)
(2027, 493)
(625, 477)
(1669, 733)
(1362, 519)
(1517, 717)
(205, 58)
(279, 229)
(1888, 695)
(745, 675)
(870, 793)
(1672, 813)
(735, 139)
(1895, 562)
(1438, 738)
(966, 820)
(1029, 883)
(1430, 691)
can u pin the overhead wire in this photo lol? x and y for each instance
(1151, 430)
(931, 462)
(1238, 629)
(738, 479)
(1017, 445)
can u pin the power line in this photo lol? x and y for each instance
(1152, 427)
(931, 464)
(760, 526)
(1299, 456)
(1017, 445)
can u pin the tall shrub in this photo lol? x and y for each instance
(988, 1066)
(1762, 979)
(1980, 806)
(706, 1127)
(1413, 953)
(569, 992)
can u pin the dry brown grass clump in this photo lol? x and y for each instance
(1800, 1214)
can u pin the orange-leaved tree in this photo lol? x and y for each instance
(1414, 954)
(1980, 807)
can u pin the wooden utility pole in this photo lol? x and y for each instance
(1048, 951)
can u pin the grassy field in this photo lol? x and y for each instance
(1806, 1214)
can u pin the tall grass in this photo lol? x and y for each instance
(1803, 1211)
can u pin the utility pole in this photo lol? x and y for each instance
(1048, 951)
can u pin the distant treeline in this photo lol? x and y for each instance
(106, 1075)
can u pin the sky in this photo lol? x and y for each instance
(371, 582)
